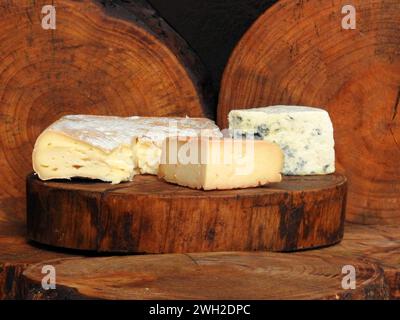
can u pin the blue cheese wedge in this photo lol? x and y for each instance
(305, 135)
(112, 149)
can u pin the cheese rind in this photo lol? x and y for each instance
(305, 135)
(212, 164)
(112, 149)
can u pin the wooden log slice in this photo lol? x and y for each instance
(104, 57)
(379, 244)
(298, 53)
(207, 276)
(16, 253)
(151, 216)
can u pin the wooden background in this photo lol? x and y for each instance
(212, 28)
(353, 95)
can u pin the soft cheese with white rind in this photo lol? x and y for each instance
(305, 135)
(222, 164)
(112, 149)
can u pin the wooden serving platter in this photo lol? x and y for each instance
(151, 216)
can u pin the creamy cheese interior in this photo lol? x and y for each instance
(111, 149)
(148, 154)
(58, 156)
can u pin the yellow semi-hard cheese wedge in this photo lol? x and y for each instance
(210, 164)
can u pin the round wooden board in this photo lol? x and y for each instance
(378, 244)
(298, 53)
(151, 216)
(242, 276)
(104, 57)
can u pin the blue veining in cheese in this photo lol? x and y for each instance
(305, 135)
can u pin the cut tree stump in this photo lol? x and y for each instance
(151, 216)
(104, 57)
(298, 53)
(379, 244)
(365, 247)
(207, 276)
(15, 252)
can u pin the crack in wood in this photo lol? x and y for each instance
(101, 203)
(191, 258)
(396, 105)
(394, 138)
(28, 15)
(395, 111)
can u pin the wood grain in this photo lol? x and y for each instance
(16, 253)
(104, 57)
(371, 244)
(151, 216)
(378, 244)
(207, 276)
(297, 53)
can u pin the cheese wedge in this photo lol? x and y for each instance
(112, 149)
(210, 164)
(305, 135)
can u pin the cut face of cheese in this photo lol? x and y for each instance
(305, 135)
(210, 164)
(112, 149)
(58, 156)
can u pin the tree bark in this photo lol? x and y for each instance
(151, 216)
